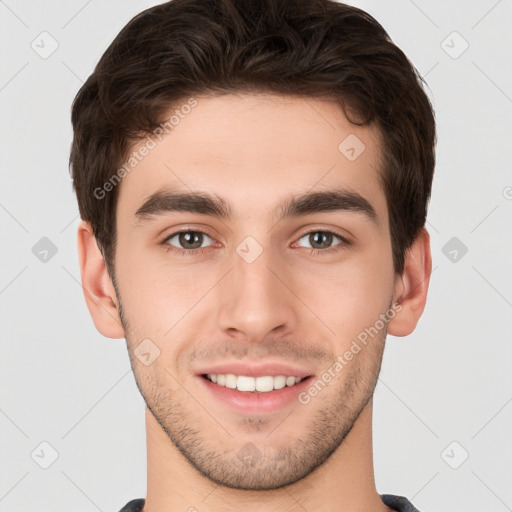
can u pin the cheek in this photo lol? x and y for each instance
(348, 305)
(348, 297)
(158, 298)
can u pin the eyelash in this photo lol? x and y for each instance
(194, 252)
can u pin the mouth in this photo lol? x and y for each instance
(255, 385)
(255, 395)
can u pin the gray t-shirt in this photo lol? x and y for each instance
(398, 503)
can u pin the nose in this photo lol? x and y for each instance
(256, 298)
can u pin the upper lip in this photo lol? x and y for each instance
(255, 369)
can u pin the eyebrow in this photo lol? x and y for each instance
(166, 201)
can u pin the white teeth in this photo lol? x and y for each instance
(245, 383)
(265, 384)
(231, 381)
(279, 382)
(290, 381)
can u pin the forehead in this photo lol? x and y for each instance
(254, 151)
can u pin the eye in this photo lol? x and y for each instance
(190, 240)
(320, 241)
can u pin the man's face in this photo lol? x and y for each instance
(247, 289)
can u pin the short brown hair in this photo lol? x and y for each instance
(309, 48)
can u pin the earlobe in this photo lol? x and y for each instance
(97, 285)
(411, 286)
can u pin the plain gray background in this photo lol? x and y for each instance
(443, 405)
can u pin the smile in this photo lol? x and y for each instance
(246, 383)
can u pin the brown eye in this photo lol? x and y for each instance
(188, 240)
(322, 240)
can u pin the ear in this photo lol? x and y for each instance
(411, 286)
(99, 291)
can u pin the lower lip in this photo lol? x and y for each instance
(254, 402)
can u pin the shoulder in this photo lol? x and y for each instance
(134, 505)
(398, 503)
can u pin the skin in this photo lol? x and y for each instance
(288, 305)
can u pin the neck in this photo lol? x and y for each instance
(344, 482)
